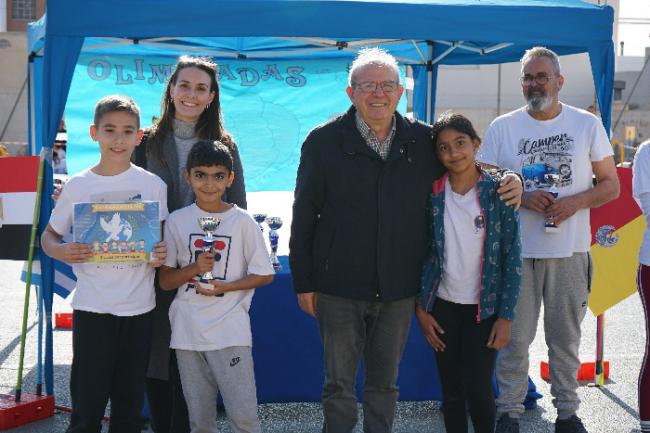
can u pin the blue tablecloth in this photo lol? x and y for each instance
(288, 354)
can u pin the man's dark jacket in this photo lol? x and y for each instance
(359, 226)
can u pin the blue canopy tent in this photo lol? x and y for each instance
(421, 33)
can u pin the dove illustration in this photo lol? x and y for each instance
(112, 227)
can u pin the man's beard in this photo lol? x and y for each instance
(540, 102)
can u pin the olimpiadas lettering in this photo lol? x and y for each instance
(157, 73)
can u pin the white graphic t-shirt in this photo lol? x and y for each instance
(121, 289)
(204, 323)
(560, 151)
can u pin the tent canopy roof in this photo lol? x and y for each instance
(417, 32)
(484, 31)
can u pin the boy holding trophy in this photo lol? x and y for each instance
(216, 258)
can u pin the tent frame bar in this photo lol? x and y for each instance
(321, 44)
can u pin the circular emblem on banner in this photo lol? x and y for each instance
(605, 236)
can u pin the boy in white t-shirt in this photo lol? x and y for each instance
(113, 301)
(211, 330)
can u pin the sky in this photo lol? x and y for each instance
(634, 26)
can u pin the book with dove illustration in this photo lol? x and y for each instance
(118, 232)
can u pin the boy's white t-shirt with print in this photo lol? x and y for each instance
(565, 145)
(204, 323)
(121, 289)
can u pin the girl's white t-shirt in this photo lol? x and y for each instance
(464, 238)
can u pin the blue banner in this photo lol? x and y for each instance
(269, 107)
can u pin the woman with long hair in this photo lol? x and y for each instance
(190, 111)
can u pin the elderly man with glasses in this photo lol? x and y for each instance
(358, 238)
(557, 148)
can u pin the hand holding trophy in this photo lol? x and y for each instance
(553, 180)
(209, 225)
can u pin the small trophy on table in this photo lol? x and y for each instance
(274, 224)
(259, 219)
(553, 180)
(209, 225)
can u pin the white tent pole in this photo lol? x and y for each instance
(351, 46)
(422, 56)
(477, 50)
(117, 42)
(446, 52)
(497, 47)
(319, 45)
(190, 48)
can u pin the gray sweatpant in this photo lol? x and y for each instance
(563, 286)
(227, 371)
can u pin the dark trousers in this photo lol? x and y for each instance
(110, 357)
(466, 367)
(167, 407)
(377, 331)
(643, 282)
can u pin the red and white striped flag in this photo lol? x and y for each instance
(18, 181)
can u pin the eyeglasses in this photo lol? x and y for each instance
(540, 79)
(371, 86)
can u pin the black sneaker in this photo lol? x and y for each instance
(505, 424)
(570, 425)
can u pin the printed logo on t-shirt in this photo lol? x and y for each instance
(546, 156)
(221, 249)
(479, 223)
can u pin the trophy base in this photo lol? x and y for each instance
(207, 286)
(551, 229)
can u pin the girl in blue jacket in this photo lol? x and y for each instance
(471, 277)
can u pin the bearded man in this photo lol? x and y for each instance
(557, 149)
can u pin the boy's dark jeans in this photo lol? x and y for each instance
(466, 367)
(110, 357)
(350, 329)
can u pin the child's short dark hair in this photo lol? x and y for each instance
(209, 153)
(452, 120)
(111, 103)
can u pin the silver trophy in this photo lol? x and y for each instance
(259, 219)
(274, 224)
(209, 225)
(549, 223)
